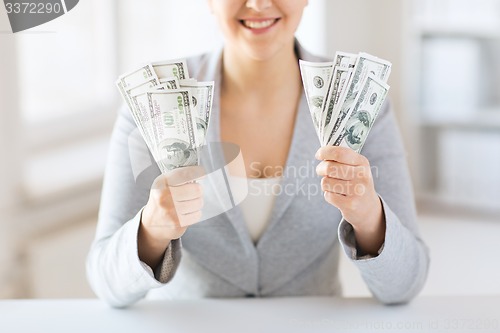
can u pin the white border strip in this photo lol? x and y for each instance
(64, 6)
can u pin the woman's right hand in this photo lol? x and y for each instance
(175, 202)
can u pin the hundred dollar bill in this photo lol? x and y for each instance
(170, 83)
(172, 120)
(138, 117)
(202, 96)
(186, 81)
(365, 111)
(142, 88)
(342, 60)
(345, 60)
(365, 65)
(142, 110)
(340, 78)
(138, 77)
(174, 68)
(316, 77)
(127, 99)
(143, 113)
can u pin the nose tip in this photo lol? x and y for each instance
(259, 5)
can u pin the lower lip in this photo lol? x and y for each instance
(260, 30)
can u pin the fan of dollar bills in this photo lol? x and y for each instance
(345, 96)
(171, 110)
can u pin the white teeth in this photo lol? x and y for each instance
(258, 24)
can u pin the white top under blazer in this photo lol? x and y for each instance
(258, 204)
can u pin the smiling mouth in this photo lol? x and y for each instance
(258, 24)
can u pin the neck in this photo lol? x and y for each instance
(243, 74)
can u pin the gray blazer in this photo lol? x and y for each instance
(297, 255)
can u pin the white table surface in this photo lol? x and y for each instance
(280, 315)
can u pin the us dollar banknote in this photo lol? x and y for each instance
(342, 62)
(138, 115)
(340, 78)
(171, 110)
(316, 78)
(153, 83)
(172, 68)
(335, 107)
(173, 124)
(170, 83)
(365, 65)
(202, 96)
(366, 108)
(137, 77)
(345, 60)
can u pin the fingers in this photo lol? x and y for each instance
(335, 186)
(342, 187)
(338, 200)
(180, 213)
(188, 203)
(184, 175)
(177, 205)
(190, 219)
(186, 192)
(341, 155)
(188, 207)
(345, 203)
(338, 170)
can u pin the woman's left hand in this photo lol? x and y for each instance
(348, 185)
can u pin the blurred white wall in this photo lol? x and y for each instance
(377, 27)
(10, 159)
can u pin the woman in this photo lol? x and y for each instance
(291, 249)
